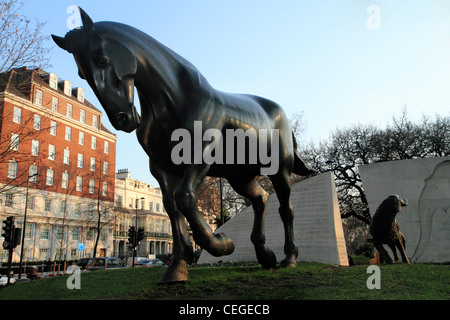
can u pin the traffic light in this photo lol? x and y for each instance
(17, 237)
(132, 237)
(8, 232)
(140, 235)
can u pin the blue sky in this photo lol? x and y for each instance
(319, 57)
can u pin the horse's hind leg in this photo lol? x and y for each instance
(282, 186)
(251, 189)
(402, 250)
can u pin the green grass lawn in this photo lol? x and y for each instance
(308, 281)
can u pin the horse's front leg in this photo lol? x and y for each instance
(186, 201)
(182, 247)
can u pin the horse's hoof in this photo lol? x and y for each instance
(225, 245)
(176, 272)
(288, 263)
(266, 257)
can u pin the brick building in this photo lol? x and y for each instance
(54, 145)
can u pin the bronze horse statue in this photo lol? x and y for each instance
(114, 58)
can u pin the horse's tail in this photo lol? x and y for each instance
(300, 167)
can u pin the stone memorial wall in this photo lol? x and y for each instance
(425, 222)
(317, 225)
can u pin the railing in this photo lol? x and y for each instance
(161, 235)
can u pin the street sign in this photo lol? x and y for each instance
(81, 247)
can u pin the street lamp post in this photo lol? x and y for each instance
(25, 224)
(136, 229)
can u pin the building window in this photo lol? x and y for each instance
(92, 164)
(81, 138)
(94, 121)
(38, 99)
(66, 156)
(78, 208)
(67, 88)
(15, 142)
(53, 128)
(68, 133)
(89, 234)
(82, 116)
(33, 174)
(44, 232)
(49, 179)
(62, 206)
(53, 81)
(35, 148)
(17, 115)
(93, 142)
(150, 206)
(43, 254)
(119, 200)
(47, 204)
(105, 189)
(9, 200)
(75, 234)
(105, 167)
(69, 110)
(51, 152)
(59, 232)
(79, 183)
(12, 169)
(80, 95)
(91, 186)
(65, 180)
(30, 203)
(55, 104)
(80, 160)
(37, 122)
(157, 207)
(106, 146)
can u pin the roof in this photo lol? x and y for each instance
(19, 82)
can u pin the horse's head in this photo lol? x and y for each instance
(109, 67)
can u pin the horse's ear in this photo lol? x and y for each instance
(122, 59)
(61, 42)
(88, 25)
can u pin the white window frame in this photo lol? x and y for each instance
(69, 110)
(68, 133)
(49, 178)
(15, 140)
(35, 147)
(53, 126)
(51, 152)
(66, 159)
(55, 103)
(37, 122)
(38, 98)
(17, 115)
(80, 160)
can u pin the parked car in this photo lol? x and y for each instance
(150, 263)
(104, 263)
(136, 260)
(4, 280)
(83, 263)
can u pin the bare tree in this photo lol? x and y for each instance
(21, 40)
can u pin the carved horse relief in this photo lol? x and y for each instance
(176, 100)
